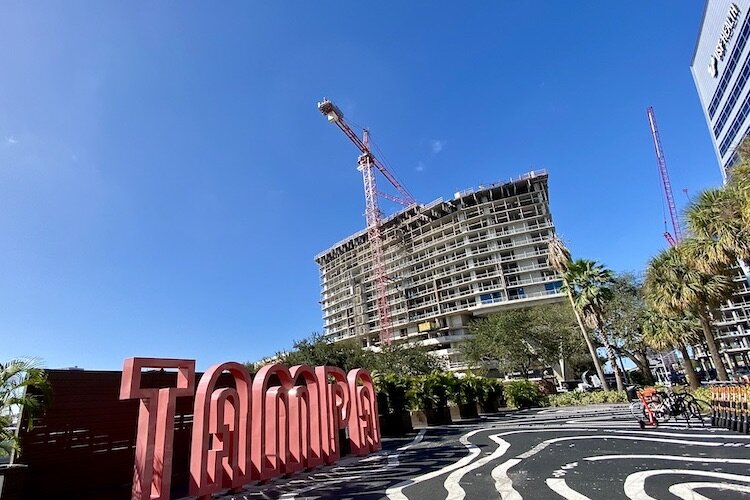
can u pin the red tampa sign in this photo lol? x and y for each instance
(252, 432)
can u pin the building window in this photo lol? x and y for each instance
(735, 127)
(729, 70)
(491, 298)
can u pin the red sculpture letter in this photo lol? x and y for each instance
(364, 428)
(270, 410)
(220, 451)
(334, 404)
(305, 451)
(152, 475)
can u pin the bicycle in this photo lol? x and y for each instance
(652, 407)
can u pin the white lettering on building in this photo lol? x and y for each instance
(724, 38)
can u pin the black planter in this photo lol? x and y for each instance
(490, 406)
(438, 416)
(395, 424)
(469, 410)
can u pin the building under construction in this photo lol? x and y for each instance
(445, 263)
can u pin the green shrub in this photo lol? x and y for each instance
(467, 389)
(395, 388)
(493, 393)
(576, 398)
(523, 394)
(431, 392)
(702, 393)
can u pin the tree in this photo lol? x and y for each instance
(624, 316)
(675, 285)
(17, 376)
(673, 331)
(589, 283)
(500, 338)
(559, 259)
(522, 339)
(715, 220)
(739, 181)
(405, 359)
(316, 350)
(554, 334)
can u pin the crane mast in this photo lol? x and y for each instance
(367, 163)
(676, 236)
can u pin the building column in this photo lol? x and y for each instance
(730, 361)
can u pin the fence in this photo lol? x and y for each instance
(83, 446)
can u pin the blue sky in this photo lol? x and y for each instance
(166, 178)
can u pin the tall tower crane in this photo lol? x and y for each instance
(676, 236)
(367, 164)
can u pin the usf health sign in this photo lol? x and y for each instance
(279, 422)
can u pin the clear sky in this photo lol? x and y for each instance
(166, 178)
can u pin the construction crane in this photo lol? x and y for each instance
(366, 163)
(675, 237)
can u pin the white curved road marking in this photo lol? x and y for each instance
(393, 458)
(455, 492)
(452, 482)
(635, 484)
(396, 492)
(293, 494)
(560, 487)
(675, 434)
(686, 491)
(504, 485)
(677, 458)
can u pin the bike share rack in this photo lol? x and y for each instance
(729, 406)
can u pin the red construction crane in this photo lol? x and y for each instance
(676, 236)
(373, 215)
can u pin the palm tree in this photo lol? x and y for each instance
(675, 285)
(664, 331)
(739, 180)
(559, 259)
(715, 220)
(16, 376)
(590, 285)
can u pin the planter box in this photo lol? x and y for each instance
(489, 407)
(395, 424)
(420, 418)
(464, 412)
(439, 416)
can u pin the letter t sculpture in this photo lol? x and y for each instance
(152, 474)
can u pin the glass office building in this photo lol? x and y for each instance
(721, 71)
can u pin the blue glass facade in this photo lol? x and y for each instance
(721, 71)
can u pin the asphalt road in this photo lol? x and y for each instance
(579, 453)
